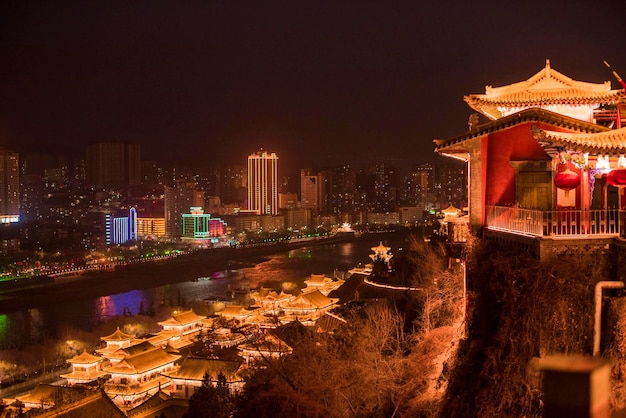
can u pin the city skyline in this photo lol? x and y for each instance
(315, 83)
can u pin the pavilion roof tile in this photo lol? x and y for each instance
(458, 144)
(136, 349)
(314, 299)
(607, 142)
(195, 368)
(118, 336)
(546, 87)
(268, 343)
(182, 318)
(85, 358)
(43, 393)
(143, 362)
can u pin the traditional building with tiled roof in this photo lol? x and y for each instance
(183, 323)
(271, 300)
(236, 312)
(75, 401)
(610, 143)
(187, 378)
(322, 283)
(267, 348)
(550, 90)
(139, 375)
(181, 328)
(308, 305)
(122, 353)
(225, 338)
(160, 404)
(116, 341)
(86, 368)
(545, 165)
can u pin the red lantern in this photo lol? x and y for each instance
(567, 180)
(617, 177)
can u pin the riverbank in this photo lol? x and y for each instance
(144, 275)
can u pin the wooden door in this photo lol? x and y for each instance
(534, 190)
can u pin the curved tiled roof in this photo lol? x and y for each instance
(182, 318)
(84, 358)
(456, 144)
(118, 336)
(143, 362)
(547, 87)
(310, 300)
(195, 368)
(608, 142)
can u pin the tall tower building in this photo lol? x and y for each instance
(178, 200)
(9, 187)
(113, 165)
(421, 185)
(263, 183)
(310, 190)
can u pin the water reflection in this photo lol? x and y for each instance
(31, 326)
(104, 306)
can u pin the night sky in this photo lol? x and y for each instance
(314, 81)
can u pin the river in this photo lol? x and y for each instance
(28, 326)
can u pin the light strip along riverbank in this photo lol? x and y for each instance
(144, 275)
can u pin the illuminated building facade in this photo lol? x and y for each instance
(121, 229)
(150, 228)
(198, 225)
(9, 187)
(263, 183)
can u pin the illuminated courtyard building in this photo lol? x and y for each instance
(263, 183)
(546, 171)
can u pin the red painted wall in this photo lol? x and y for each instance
(512, 144)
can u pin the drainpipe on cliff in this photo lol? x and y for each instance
(600, 286)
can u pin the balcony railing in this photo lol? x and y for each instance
(564, 223)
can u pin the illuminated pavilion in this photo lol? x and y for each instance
(547, 169)
(86, 368)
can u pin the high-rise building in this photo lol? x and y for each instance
(9, 187)
(178, 200)
(263, 183)
(113, 165)
(420, 186)
(451, 184)
(231, 184)
(310, 190)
